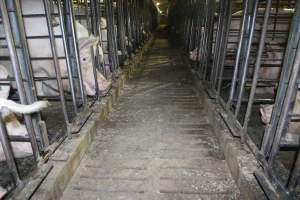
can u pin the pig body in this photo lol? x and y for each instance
(273, 55)
(15, 128)
(41, 48)
(266, 112)
(103, 31)
(42, 68)
(3, 192)
(271, 43)
(104, 44)
(13, 125)
(195, 55)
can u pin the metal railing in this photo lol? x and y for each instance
(248, 62)
(55, 70)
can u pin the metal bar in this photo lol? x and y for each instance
(114, 32)
(246, 61)
(110, 27)
(209, 41)
(203, 41)
(67, 53)
(121, 32)
(200, 35)
(288, 104)
(221, 60)
(111, 36)
(238, 54)
(284, 118)
(128, 27)
(56, 66)
(257, 65)
(7, 149)
(69, 7)
(293, 181)
(94, 30)
(281, 90)
(30, 87)
(217, 49)
(18, 75)
(88, 21)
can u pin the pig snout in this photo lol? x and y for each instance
(266, 112)
(2, 192)
(87, 66)
(103, 83)
(89, 81)
(193, 55)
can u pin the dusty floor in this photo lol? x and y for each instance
(157, 144)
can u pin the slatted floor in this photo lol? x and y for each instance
(157, 143)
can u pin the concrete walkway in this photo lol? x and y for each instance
(158, 143)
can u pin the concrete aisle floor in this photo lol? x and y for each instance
(157, 143)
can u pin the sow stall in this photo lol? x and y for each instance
(67, 53)
(246, 53)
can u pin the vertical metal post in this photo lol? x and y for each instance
(87, 16)
(238, 54)
(133, 24)
(95, 31)
(8, 151)
(67, 54)
(288, 105)
(56, 66)
(294, 177)
(29, 85)
(121, 32)
(191, 40)
(114, 33)
(111, 36)
(17, 73)
(199, 35)
(128, 25)
(217, 45)
(246, 61)
(202, 46)
(257, 65)
(74, 47)
(220, 62)
(286, 70)
(209, 38)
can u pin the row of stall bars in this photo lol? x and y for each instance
(247, 55)
(119, 27)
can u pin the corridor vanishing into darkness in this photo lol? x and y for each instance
(149, 99)
(157, 143)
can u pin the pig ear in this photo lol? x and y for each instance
(84, 43)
